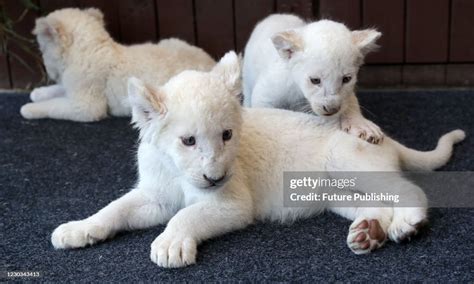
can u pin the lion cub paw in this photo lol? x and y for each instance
(31, 111)
(173, 250)
(39, 94)
(77, 234)
(402, 230)
(365, 235)
(364, 129)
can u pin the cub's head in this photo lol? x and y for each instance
(194, 120)
(324, 58)
(57, 32)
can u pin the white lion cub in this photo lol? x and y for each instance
(91, 70)
(207, 167)
(301, 66)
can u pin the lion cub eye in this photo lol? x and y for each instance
(188, 141)
(346, 79)
(315, 81)
(227, 135)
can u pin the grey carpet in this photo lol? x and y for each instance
(56, 171)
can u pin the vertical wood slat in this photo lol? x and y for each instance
(247, 14)
(391, 24)
(215, 26)
(345, 11)
(462, 31)
(302, 8)
(137, 21)
(176, 19)
(22, 77)
(427, 31)
(110, 11)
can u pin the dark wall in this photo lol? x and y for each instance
(424, 43)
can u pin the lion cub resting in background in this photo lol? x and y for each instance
(91, 70)
(207, 167)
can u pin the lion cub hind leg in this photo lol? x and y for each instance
(366, 235)
(47, 93)
(66, 108)
(369, 231)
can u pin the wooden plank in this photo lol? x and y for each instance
(4, 72)
(424, 75)
(302, 8)
(462, 31)
(247, 14)
(110, 11)
(137, 21)
(215, 26)
(390, 24)
(25, 68)
(427, 31)
(460, 75)
(176, 19)
(48, 6)
(345, 11)
(380, 76)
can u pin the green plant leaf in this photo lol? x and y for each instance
(30, 5)
(19, 47)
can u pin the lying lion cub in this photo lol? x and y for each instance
(292, 64)
(91, 70)
(207, 167)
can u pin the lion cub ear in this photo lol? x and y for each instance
(287, 43)
(365, 40)
(146, 102)
(51, 29)
(96, 13)
(228, 68)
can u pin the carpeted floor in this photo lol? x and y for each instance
(56, 171)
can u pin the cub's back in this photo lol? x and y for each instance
(159, 62)
(155, 64)
(274, 140)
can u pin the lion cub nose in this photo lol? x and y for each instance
(214, 181)
(330, 110)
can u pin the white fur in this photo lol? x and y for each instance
(91, 69)
(284, 52)
(265, 143)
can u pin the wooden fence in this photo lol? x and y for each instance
(424, 43)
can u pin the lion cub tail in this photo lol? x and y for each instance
(430, 160)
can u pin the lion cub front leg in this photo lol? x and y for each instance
(134, 210)
(177, 245)
(354, 123)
